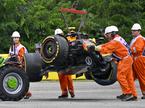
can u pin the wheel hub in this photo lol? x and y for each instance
(12, 82)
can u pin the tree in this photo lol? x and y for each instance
(36, 19)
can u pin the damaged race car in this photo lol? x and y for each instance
(60, 55)
(57, 54)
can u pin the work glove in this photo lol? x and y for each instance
(98, 48)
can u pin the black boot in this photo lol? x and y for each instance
(28, 95)
(63, 96)
(72, 95)
(129, 97)
(120, 96)
(143, 97)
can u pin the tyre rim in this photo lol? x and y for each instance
(50, 49)
(12, 83)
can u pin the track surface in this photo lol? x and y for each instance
(88, 95)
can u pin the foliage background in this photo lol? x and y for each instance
(36, 19)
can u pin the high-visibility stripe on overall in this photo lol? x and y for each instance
(124, 67)
(137, 47)
(19, 50)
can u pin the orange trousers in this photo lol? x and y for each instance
(139, 71)
(66, 84)
(125, 76)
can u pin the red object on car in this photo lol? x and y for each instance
(73, 10)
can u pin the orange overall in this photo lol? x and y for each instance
(137, 48)
(20, 50)
(66, 84)
(124, 66)
(21, 54)
(66, 81)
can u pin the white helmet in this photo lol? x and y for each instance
(108, 30)
(16, 34)
(114, 29)
(58, 31)
(136, 26)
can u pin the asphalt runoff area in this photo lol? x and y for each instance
(88, 95)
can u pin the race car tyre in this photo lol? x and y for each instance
(54, 50)
(106, 79)
(14, 83)
(33, 65)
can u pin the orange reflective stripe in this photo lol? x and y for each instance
(116, 48)
(21, 53)
(137, 47)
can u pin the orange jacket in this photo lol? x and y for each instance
(137, 46)
(115, 47)
(20, 50)
(21, 53)
(70, 38)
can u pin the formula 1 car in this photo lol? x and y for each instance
(56, 54)
(60, 55)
